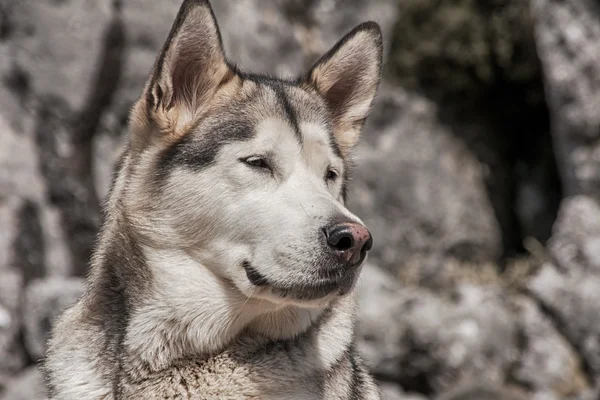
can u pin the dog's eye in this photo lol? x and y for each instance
(331, 175)
(256, 162)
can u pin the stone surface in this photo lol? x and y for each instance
(28, 385)
(394, 392)
(429, 343)
(65, 163)
(574, 303)
(477, 61)
(575, 245)
(12, 356)
(479, 391)
(45, 300)
(568, 285)
(296, 31)
(56, 45)
(568, 42)
(591, 394)
(547, 363)
(421, 192)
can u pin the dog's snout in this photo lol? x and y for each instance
(349, 241)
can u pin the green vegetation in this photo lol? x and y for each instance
(464, 49)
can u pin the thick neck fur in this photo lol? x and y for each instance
(192, 313)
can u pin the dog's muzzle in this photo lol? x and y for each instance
(345, 246)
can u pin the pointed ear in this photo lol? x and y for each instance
(189, 69)
(347, 77)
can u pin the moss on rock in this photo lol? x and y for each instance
(463, 48)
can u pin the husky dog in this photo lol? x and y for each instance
(226, 264)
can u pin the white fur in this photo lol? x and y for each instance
(210, 313)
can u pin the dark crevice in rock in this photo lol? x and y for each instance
(69, 189)
(106, 80)
(522, 342)
(300, 11)
(29, 244)
(6, 27)
(70, 174)
(477, 60)
(18, 82)
(28, 360)
(417, 384)
(417, 369)
(414, 371)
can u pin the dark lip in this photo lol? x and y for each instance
(255, 277)
(331, 282)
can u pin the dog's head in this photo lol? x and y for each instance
(247, 174)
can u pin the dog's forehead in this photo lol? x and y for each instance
(289, 112)
(274, 114)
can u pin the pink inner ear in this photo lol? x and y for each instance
(342, 93)
(339, 93)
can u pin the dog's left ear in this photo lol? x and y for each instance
(187, 73)
(347, 77)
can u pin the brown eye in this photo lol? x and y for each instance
(331, 175)
(257, 162)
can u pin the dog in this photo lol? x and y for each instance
(227, 259)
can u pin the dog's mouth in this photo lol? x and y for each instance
(313, 289)
(255, 277)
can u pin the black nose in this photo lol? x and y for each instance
(349, 241)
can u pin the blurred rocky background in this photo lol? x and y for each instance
(478, 173)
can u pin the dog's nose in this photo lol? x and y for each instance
(350, 241)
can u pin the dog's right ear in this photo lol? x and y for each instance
(187, 73)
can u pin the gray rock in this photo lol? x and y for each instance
(64, 162)
(147, 28)
(591, 394)
(420, 191)
(56, 45)
(12, 355)
(28, 385)
(19, 175)
(547, 364)
(575, 245)
(568, 41)
(45, 300)
(573, 300)
(390, 391)
(568, 285)
(380, 327)
(480, 391)
(285, 37)
(8, 233)
(428, 343)
(55, 49)
(33, 222)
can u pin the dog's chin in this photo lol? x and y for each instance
(311, 292)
